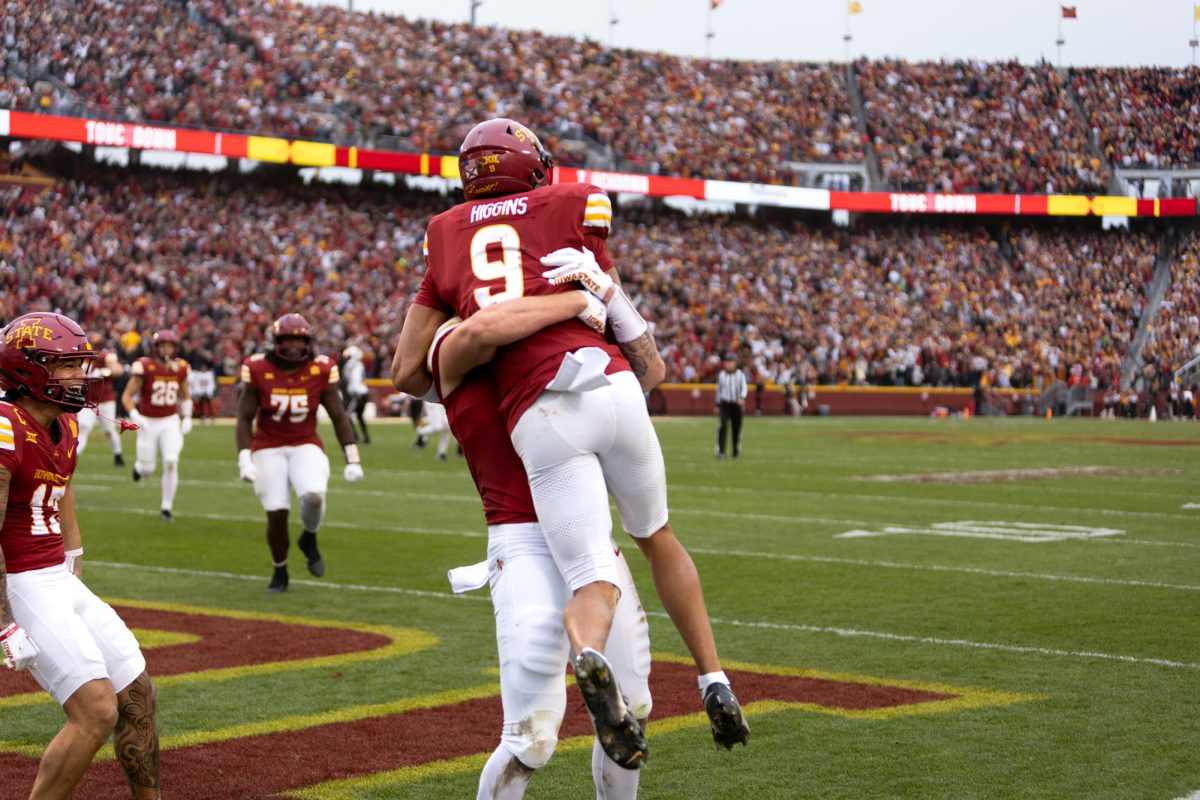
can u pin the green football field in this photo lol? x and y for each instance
(908, 608)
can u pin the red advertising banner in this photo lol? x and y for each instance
(23, 125)
(653, 185)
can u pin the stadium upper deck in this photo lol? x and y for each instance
(325, 73)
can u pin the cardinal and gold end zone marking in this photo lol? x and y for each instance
(403, 641)
(964, 698)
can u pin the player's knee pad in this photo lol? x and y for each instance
(542, 640)
(532, 739)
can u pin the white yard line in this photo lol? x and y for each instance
(935, 640)
(992, 573)
(349, 587)
(147, 512)
(821, 629)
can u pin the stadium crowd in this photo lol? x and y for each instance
(1144, 116)
(1175, 336)
(892, 304)
(976, 127)
(283, 68)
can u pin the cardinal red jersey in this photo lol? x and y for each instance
(487, 251)
(288, 399)
(162, 381)
(31, 537)
(473, 409)
(107, 395)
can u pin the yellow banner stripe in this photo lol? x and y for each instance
(449, 167)
(314, 154)
(262, 148)
(1115, 206)
(353, 158)
(1067, 205)
(424, 163)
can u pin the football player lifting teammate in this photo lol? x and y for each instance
(572, 401)
(279, 450)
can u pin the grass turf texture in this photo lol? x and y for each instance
(1113, 660)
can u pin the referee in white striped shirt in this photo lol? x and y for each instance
(731, 404)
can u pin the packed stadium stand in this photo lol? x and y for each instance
(1007, 301)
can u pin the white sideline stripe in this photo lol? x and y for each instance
(896, 637)
(935, 640)
(1192, 505)
(146, 512)
(993, 573)
(351, 587)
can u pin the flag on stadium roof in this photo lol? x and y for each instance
(1068, 12)
(855, 7)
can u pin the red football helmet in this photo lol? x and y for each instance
(296, 330)
(501, 157)
(166, 336)
(32, 346)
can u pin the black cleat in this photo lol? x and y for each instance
(279, 581)
(137, 476)
(725, 715)
(118, 460)
(165, 516)
(308, 545)
(617, 731)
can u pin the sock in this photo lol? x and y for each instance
(504, 777)
(279, 564)
(613, 782)
(711, 678)
(170, 482)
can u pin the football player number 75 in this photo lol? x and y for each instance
(505, 239)
(295, 406)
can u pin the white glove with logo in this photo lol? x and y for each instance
(578, 265)
(246, 469)
(353, 472)
(595, 315)
(18, 649)
(185, 426)
(136, 418)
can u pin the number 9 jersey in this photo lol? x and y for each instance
(288, 399)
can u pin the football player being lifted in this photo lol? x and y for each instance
(572, 401)
(157, 400)
(279, 450)
(51, 624)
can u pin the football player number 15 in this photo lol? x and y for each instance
(506, 239)
(45, 514)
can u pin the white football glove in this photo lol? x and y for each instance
(18, 649)
(594, 315)
(185, 426)
(578, 265)
(353, 472)
(246, 469)
(136, 417)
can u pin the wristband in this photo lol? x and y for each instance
(244, 458)
(626, 323)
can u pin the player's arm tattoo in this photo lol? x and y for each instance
(647, 364)
(135, 738)
(6, 615)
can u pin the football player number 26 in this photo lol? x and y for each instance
(505, 239)
(45, 514)
(295, 406)
(164, 393)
